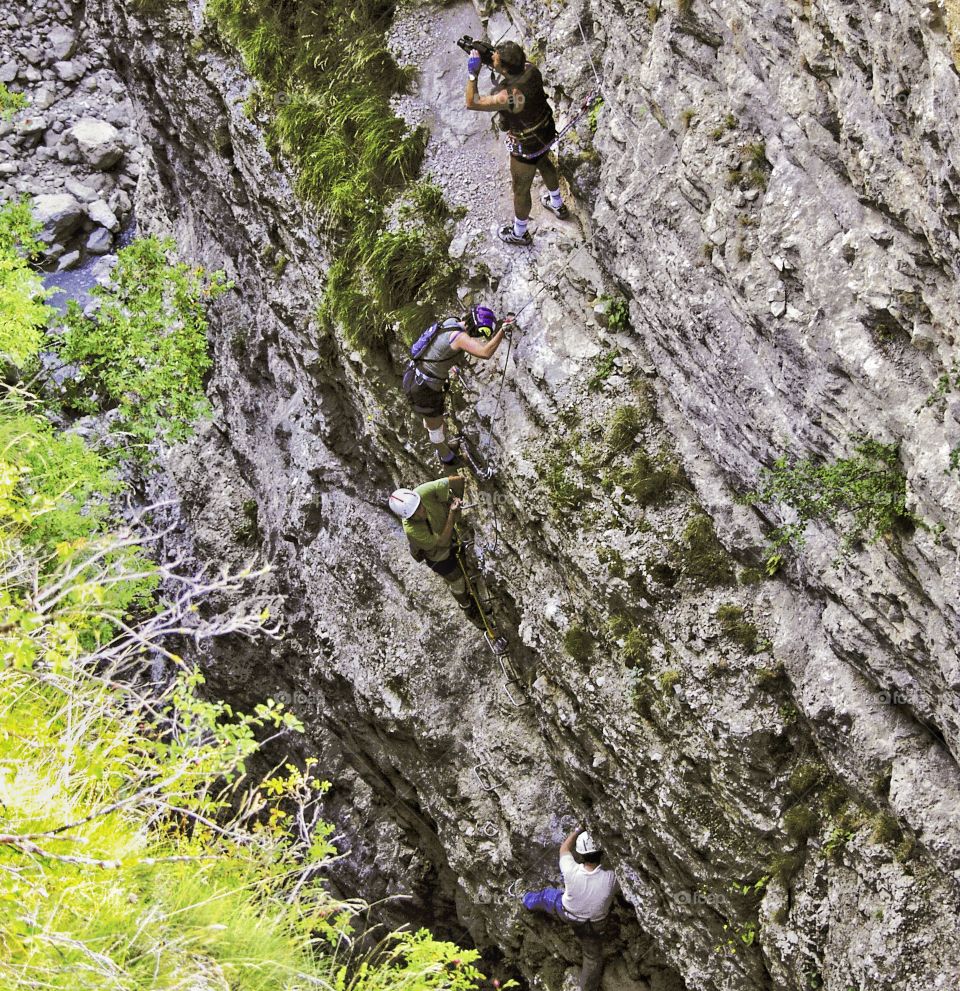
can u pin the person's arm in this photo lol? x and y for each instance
(478, 348)
(473, 99)
(566, 847)
(456, 485)
(452, 516)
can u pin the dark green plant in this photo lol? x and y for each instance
(668, 679)
(247, 529)
(731, 619)
(702, 557)
(579, 642)
(800, 822)
(862, 497)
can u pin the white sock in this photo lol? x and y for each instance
(520, 226)
(556, 200)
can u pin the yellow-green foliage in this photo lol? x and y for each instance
(330, 63)
(10, 102)
(23, 314)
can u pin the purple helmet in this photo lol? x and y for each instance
(481, 316)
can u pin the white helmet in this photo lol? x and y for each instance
(404, 503)
(587, 844)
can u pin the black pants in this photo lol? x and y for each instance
(592, 937)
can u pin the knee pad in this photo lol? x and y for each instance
(438, 436)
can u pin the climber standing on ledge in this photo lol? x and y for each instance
(584, 903)
(430, 513)
(525, 114)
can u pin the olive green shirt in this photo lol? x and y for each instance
(435, 498)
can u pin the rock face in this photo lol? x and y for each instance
(772, 764)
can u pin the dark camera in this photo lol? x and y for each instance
(483, 48)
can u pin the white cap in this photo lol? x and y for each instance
(586, 844)
(404, 503)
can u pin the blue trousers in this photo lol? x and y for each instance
(590, 934)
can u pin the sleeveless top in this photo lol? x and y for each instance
(536, 113)
(439, 357)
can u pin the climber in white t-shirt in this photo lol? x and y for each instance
(584, 902)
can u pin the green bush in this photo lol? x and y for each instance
(10, 102)
(352, 155)
(144, 350)
(25, 315)
(731, 619)
(702, 557)
(579, 642)
(624, 424)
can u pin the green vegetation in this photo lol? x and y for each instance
(863, 497)
(728, 123)
(11, 103)
(702, 557)
(624, 424)
(593, 117)
(579, 642)
(650, 480)
(668, 679)
(21, 292)
(618, 314)
(137, 850)
(352, 156)
(636, 649)
(565, 492)
(603, 368)
(731, 619)
(143, 352)
(247, 530)
(800, 822)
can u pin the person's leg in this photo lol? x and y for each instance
(547, 900)
(437, 432)
(592, 969)
(552, 199)
(521, 175)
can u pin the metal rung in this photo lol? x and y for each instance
(490, 784)
(506, 691)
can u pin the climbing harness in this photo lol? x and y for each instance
(515, 141)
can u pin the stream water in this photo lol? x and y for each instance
(76, 283)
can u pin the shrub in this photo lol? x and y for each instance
(650, 480)
(801, 822)
(704, 558)
(144, 350)
(862, 497)
(351, 155)
(25, 315)
(636, 649)
(624, 424)
(11, 103)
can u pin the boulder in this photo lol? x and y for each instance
(8, 71)
(84, 193)
(31, 128)
(69, 72)
(68, 261)
(42, 99)
(98, 143)
(58, 213)
(101, 214)
(61, 43)
(99, 242)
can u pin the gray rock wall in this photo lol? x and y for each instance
(814, 767)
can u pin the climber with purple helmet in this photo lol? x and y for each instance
(436, 354)
(583, 902)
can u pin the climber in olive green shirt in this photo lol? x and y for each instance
(429, 513)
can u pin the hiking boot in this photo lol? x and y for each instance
(561, 212)
(508, 237)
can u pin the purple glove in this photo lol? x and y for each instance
(473, 63)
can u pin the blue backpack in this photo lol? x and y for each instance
(426, 338)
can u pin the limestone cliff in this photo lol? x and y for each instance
(772, 763)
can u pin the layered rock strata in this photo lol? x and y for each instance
(772, 766)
